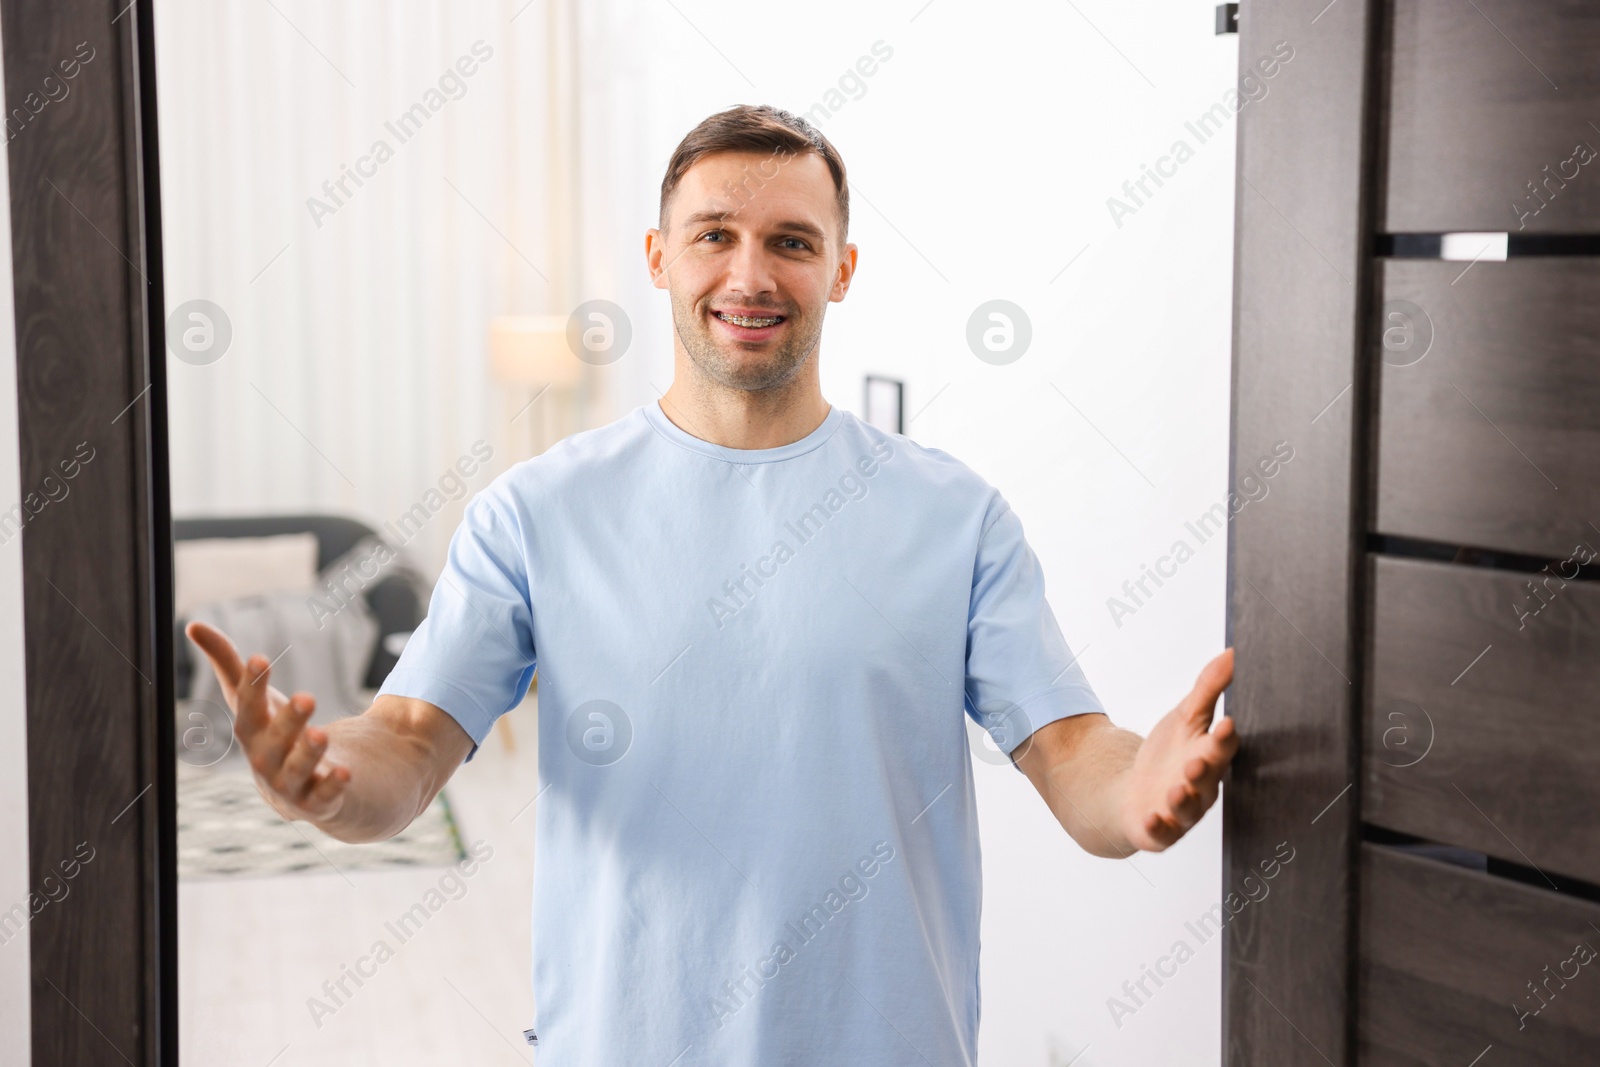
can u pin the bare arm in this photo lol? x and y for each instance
(1116, 793)
(359, 779)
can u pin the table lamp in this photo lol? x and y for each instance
(532, 350)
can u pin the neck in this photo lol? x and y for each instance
(743, 418)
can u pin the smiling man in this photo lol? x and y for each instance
(761, 627)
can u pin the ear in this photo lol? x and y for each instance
(655, 247)
(846, 272)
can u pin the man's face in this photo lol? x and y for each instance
(752, 256)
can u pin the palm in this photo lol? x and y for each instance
(1178, 769)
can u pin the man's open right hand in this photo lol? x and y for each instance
(287, 757)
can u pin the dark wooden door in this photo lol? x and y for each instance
(1415, 607)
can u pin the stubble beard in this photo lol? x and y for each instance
(730, 365)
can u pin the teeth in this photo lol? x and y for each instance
(741, 320)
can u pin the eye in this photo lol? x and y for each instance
(711, 233)
(798, 244)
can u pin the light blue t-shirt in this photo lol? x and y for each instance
(756, 834)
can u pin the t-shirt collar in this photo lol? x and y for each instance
(672, 432)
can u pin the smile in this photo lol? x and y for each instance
(749, 322)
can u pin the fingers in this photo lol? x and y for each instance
(1210, 749)
(1164, 827)
(1160, 832)
(1214, 677)
(1217, 748)
(220, 651)
(285, 755)
(271, 746)
(326, 793)
(215, 644)
(251, 714)
(1225, 739)
(1187, 801)
(1203, 772)
(289, 758)
(295, 778)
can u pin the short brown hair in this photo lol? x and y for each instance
(761, 128)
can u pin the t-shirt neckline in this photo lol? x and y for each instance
(678, 436)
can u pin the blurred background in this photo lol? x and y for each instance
(378, 225)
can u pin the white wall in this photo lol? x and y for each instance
(16, 1033)
(982, 154)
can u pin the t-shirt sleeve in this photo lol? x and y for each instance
(1020, 673)
(473, 654)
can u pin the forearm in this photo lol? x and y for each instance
(1087, 791)
(390, 780)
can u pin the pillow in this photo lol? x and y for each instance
(213, 569)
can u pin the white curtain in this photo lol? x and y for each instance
(356, 377)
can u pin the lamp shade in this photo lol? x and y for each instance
(532, 350)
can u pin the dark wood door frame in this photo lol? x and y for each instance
(1302, 268)
(96, 545)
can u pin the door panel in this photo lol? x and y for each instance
(1446, 961)
(1482, 725)
(1483, 98)
(1489, 406)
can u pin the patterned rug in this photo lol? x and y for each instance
(227, 830)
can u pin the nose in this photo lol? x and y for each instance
(750, 271)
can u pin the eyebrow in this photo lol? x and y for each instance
(790, 225)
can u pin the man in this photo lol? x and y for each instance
(758, 624)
